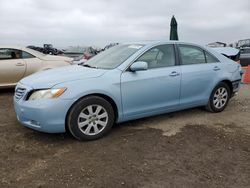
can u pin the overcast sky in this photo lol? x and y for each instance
(97, 22)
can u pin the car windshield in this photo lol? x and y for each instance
(113, 57)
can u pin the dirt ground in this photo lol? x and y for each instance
(191, 148)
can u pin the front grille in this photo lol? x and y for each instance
(19, 93)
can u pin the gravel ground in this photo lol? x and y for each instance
(191, 148)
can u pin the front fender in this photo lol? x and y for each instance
(79, 88)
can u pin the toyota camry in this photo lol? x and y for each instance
(126, 82)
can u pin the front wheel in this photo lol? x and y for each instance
(90, 118)
(219, 98)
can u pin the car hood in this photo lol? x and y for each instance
(56, 58)
(49, 78)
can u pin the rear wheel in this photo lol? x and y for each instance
(219, 98)
(90, 118)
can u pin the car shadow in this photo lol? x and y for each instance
(118, 131)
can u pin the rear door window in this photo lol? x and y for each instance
(191, 55)
(26, 55)
(210, 58)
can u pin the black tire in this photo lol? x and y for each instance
(211, 104)
(83, 104)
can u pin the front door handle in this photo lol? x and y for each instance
(174, 73)
(216, 68)
(19, 64)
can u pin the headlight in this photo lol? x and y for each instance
(46, 93)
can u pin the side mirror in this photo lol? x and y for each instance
(139, 66)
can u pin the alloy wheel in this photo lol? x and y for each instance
(92, 119)
(220, 97)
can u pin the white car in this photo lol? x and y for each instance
(18, 62)
(229, 52)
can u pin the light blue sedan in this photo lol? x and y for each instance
(126, 82)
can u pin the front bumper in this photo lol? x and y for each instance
(46, 115)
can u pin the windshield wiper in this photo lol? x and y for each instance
(87, 65)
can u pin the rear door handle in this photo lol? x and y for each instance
(174, 73)
(216, 68)
(19, 64)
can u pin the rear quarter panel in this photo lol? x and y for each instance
(230, 69)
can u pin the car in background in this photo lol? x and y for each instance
(123, 83)
(17, 63)
(91, 52)
(37, 48)
(110, 45)
(47, 49)
(81, 54)
(243, 43)
(80, 60)
(245, 56)
(229, 52)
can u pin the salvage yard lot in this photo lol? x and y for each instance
(191, 148)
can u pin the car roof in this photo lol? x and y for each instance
(156, 42)
(12, 46)
(150, 44)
